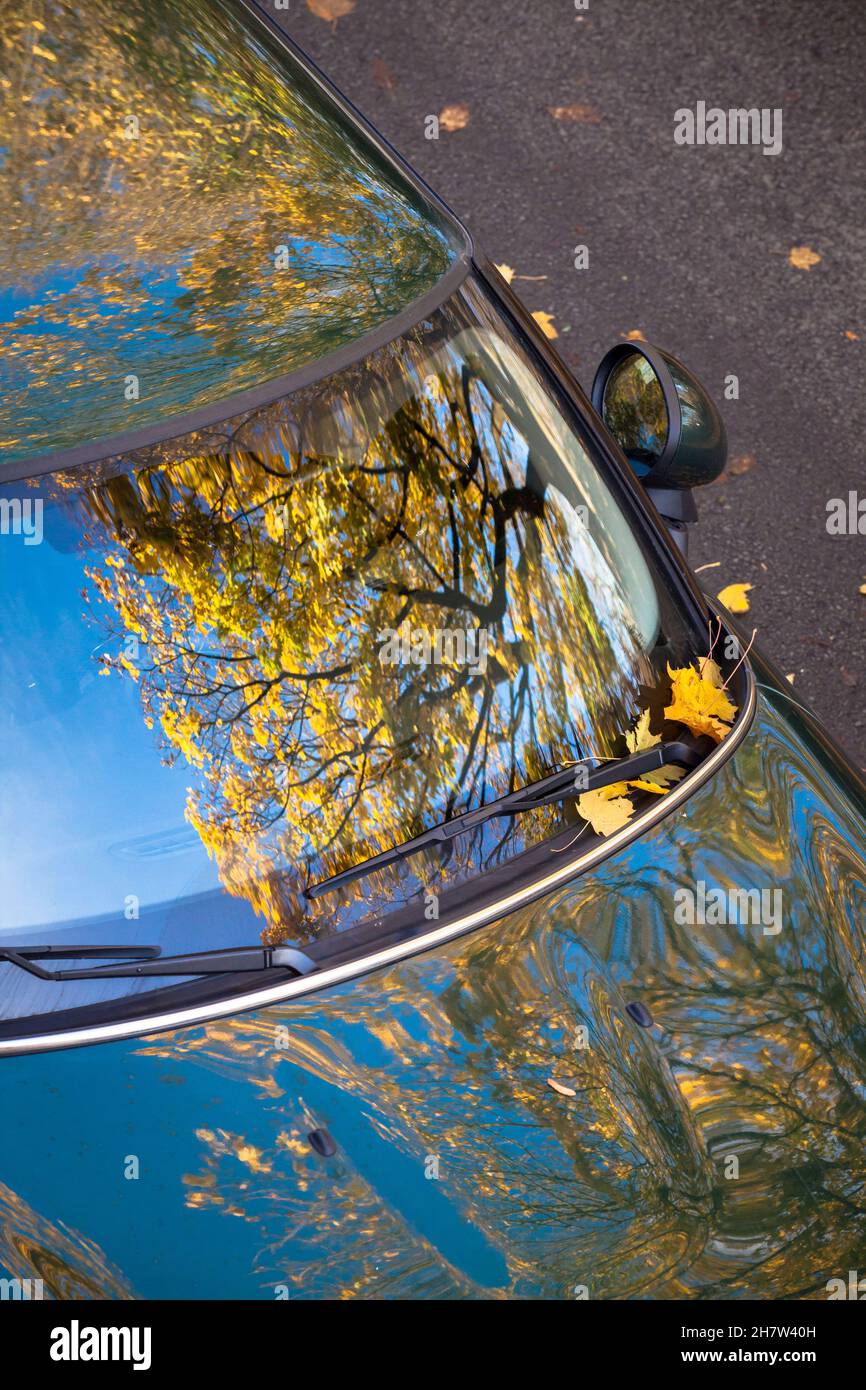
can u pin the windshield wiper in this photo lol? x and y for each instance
(148, 960)
(558, 786)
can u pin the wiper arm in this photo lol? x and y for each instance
(558, 786)
(147, 960)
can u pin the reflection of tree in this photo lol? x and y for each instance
(156, 254)
(69, 1264)
(264, 578)
(759, 1052)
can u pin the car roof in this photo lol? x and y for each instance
(190, 213)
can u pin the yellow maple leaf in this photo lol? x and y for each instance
(710, 671)
(545, 323)
(640, 737)
(606, 808)
(698, 704)
(803, 257)
(507, 272)
(733, 596)
(658, 781)
(455, 116)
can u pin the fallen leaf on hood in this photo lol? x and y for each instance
(710, 671)
(577, 111)
(507, 272)
(558, 1087)
(455, 116)
(698, 704)
(545, 323)
(733, 596)
(659, 780)
(803, 257)
(640, 737)
(331, 10)
(606, 808)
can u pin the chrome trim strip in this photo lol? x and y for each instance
(500, 907)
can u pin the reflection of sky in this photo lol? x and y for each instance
(82, 777)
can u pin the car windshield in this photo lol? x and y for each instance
(248, 659)
(187, 215)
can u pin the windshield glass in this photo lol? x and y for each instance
(186, 215)
(262, 653)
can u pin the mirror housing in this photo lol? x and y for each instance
(666, 424)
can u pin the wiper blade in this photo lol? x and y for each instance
(558, 786)
(148, 960)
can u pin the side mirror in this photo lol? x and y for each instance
(666, 425)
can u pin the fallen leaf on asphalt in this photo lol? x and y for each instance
(790, 676)
(383, 76)
(454, 117)
(545, 323)
(558, 1087)
(507, 272)
(606, 808)
(803, 257)
(710, 565)
(698, 704)
(851, 335)
(862, 589)
(577, 111)
(741, 463)
(634, 335)
(331, 9)
(734, 597)
(848, 677)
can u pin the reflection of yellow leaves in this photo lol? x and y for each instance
(545, 323)
(41, 52)
(558, 1087)
(733, 596)
(331, 10)
(698, 704)
(606, 808)
(640, 737)
(454, 117)
(507, 272)
(576, 111)
(803, 257)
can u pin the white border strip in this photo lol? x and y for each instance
(337, 974)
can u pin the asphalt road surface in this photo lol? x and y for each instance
(690, 245)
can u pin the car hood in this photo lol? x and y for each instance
(595, 1097)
